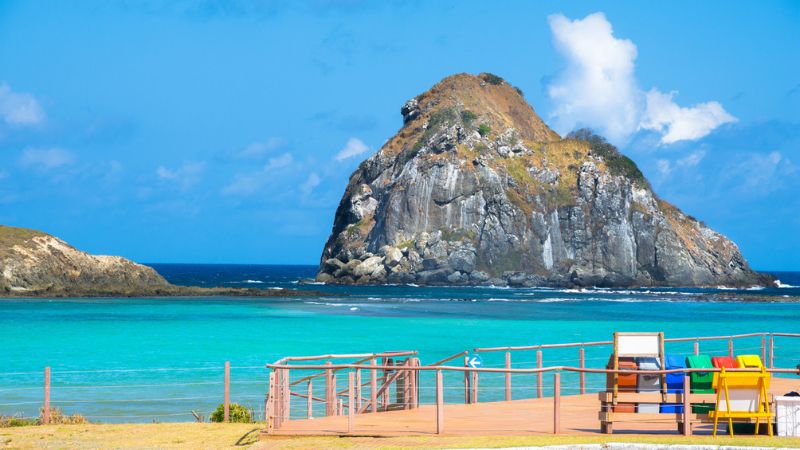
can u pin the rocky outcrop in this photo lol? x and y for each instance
(476, 189)
(36, 264)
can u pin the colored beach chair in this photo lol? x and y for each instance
(648, 383)
(749, 361)
(724, 361)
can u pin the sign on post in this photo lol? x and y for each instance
(474, 362)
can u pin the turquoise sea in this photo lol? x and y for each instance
(144, 359)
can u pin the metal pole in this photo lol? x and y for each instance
(539, 375)
(227, 400)
(556, 403)
(466, 381)
(439, 403)
(508, 377)
(46, 407)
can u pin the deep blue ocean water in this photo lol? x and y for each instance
(144, 359)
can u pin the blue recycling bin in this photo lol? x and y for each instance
(674, 381)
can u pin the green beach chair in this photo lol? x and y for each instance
(701, 382)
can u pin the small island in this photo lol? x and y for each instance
(36, 264)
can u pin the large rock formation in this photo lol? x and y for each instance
(476, 189)
(36, 264)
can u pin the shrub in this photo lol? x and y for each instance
(237, 412)
(14, 421)
(57, 417)
(484, 129)
(617, 163)
(467, 117)
(519, 91)
(492, 78)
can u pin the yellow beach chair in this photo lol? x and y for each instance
(742, 396)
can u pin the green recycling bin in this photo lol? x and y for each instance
(701, 381)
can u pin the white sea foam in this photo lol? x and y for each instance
(275, 288)
(253, 281)
(783, 285)
(755, 288)
(412, 285)
(500, 300)
(354, 308)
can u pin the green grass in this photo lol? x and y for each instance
(617, 163)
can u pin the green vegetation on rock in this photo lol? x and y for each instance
(616, 162)
(236, 413)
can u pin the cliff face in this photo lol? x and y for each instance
(36, 262)
(476, 189)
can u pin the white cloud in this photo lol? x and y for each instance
(353, 147)
(258, 149)
(664, 166)
(18, 109)
(598, 88)
(244, 184)
(311, 182)
(46, 158)
(762, 173)
(676, 123)
(186, 176)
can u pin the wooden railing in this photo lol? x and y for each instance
(405, 375)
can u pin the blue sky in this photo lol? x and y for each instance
(226, 131)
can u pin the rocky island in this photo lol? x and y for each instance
(476, 189)
(36, 264)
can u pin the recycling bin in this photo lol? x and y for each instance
(648, 383)
(701, 382)
(674, 382)
(749, 361)
(625, 382)
(724, 361)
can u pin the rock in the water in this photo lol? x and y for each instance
(475, 188)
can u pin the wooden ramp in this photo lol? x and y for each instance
(579, 416)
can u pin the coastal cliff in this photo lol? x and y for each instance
(36, 264)
(476, 189)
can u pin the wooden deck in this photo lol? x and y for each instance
(579, 416)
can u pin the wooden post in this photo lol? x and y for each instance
(696, 348)
(474, 386)
(330, 405)
(771, 352)
(556, 403)
(351, 401)
(730, 348)
(386, 392)
(46, 406)
(227, 399)
(508, 377)
(439, 403)
(269, 414)
(277, 411)
(763, 349)
(466, 382)
(539, 375)
(582, 360)
(310, 400)
(287, 395)
(358, 390)
(337, 407)
(414, 383)
(687, 407)
(340, 409)
(373, 386)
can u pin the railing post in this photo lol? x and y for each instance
(771, 352)
(556, 403)
(466, 382)
(763, 348)
(474, 386)
(730, 348)
(287, 395)
(269, 414)
(439, 403)
(415, 383)
(227, 399)
(582, 361)
(687, 407)
(330, 399)
(278, 402)
(539, 375)
(508, 377)
(46, 406)
(310, 400)
(358, 389)
(351, 401)
(696, 348)
(373, 386)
